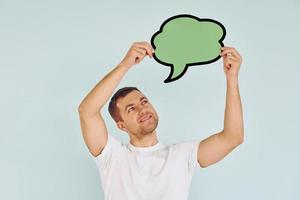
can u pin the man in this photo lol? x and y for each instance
(144, 168)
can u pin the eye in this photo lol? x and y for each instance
(132, 108)
(144, 102)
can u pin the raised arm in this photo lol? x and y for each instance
(93, 127)
(217, 146)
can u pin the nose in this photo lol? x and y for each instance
(141, 111)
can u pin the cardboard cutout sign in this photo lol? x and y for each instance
(186, 40)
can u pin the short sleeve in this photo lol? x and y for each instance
(109, 152)
(189, 151)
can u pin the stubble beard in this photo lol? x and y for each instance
(145, 130)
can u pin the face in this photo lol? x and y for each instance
(139, 116)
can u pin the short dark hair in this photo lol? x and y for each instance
(112, 108)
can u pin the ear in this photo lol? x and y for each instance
(122, 126)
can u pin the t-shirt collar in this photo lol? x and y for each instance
(146, 149)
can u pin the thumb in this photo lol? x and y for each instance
(138, 59)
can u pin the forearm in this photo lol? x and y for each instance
(233, 120)
(101, 93)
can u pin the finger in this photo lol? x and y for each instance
(140, 50)
(226, 51)
(149, 46)
(139, 54)
(229, 56)
(146, 47)
(230, 51)
(146, 44)
(147, 50)
(139, 57)
(233, 49)
(230, 62)
(227, 63)
(232, 58)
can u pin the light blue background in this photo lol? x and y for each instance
(53, 52)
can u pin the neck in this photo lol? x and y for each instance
(144, 140)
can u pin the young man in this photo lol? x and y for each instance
(144, 168)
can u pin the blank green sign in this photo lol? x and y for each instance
(185, 40)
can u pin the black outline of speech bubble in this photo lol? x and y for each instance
(188, 64)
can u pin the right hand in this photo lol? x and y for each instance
(136, 53)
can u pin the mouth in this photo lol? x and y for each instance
(145, 118)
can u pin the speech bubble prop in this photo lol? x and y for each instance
(185, 40)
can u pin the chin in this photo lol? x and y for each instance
(153, 127)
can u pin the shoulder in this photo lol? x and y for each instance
(185, 145)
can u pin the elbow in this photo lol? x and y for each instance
(83, 107)
(240, 138)
(236, 135)
(203, 166)
(86, 111)
(80, 109)
(236, 138)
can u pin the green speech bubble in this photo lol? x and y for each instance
(185, 40)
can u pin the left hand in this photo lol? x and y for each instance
(232, 61)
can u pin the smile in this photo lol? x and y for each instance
(146, 118)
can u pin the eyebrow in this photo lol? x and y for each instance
(142, 98)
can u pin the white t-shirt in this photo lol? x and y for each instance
(159, 172)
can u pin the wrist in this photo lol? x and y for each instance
(232, 80)
(124, 65)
